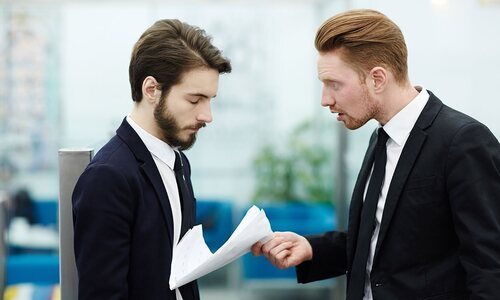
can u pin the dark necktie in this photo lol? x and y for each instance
(184, 194)
(187, 291)
(357, 279)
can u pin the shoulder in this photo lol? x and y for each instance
(459, 125)
(451, 132)
(115, 155)
(464, 138)
(113, 165)
(114, 150)
(106, 185)
(455, 117)
(450, 123)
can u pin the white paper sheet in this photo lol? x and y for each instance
(192, 259)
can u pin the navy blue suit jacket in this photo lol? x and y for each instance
(123, 225)
(440, 230)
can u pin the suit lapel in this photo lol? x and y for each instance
(142, 154)
(357, 196)
(403, 169)
(405, 164)
(154, 177)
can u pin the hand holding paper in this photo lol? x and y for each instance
(285, 249)
(192, 258)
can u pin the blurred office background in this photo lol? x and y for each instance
(64, 84)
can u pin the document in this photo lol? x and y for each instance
(193, 259)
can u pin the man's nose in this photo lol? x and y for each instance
(205, 113)
(327, 98)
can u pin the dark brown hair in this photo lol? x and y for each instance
(365, 39)
(168, 49)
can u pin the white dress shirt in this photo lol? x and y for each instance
(398, 128)
(164, 158)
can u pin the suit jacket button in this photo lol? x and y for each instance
(378, 284)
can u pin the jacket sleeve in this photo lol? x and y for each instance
(102, 217)
(473, 184)
(329, 257)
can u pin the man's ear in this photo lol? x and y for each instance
(150, 91)
(378, 79)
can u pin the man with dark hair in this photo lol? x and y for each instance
(135, 201)
(424, 221)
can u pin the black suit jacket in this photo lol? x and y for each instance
(440, 230)
(123, 225)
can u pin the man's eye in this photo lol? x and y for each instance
(332, 85)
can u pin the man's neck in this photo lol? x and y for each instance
(394, 100)
(144, 119)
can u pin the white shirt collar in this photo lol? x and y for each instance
(400, 125)
(157, 147)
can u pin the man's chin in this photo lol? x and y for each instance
(352, 125)
(188, 142)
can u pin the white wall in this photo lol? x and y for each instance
(453, 51)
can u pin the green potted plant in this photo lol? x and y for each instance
(301, 172)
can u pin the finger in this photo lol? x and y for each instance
(296, 257)
(280, 260)
(279, 248)
(293, 260)
(257, 249)
(267, 247)
(289, 258)
(269, 252)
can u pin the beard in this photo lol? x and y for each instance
(370, 112)
(171, 129)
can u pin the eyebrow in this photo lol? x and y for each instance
(326, 79)
(200, 95)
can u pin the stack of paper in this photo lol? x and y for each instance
(192, 258)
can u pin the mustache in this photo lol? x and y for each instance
(198, 126)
